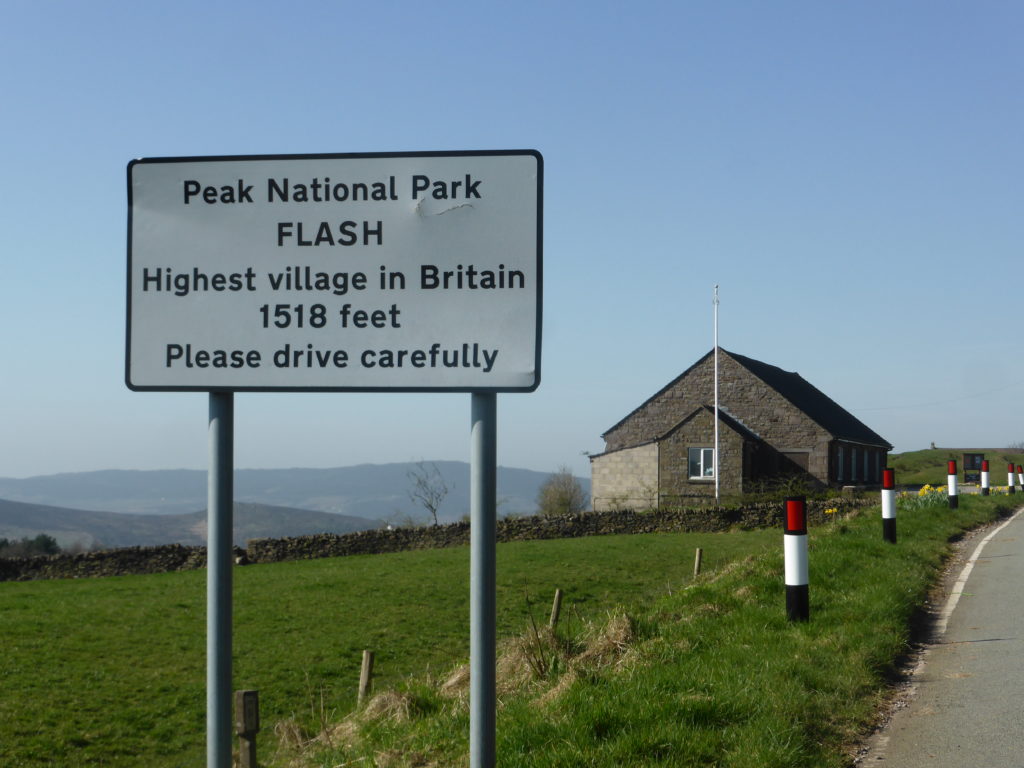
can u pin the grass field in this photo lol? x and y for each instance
(111, 672)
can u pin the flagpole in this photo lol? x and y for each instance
(717, 487)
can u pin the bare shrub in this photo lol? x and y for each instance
(561, 494)
(429, 488)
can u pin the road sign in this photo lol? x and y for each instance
(358, 272)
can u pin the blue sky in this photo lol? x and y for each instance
(850, 174)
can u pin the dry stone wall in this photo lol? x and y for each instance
(174, 557)
(111, 562)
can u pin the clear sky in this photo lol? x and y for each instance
(850, 174)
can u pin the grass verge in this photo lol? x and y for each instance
(711, 675)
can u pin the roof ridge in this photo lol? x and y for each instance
(807, 408)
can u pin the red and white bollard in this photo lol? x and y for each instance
(984, 477)
(795, 548)
(954, 500)
(1020, 476)
(889, 505)
(1011, 480)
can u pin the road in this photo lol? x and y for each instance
(965, 703)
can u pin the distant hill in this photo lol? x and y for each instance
(372, 491)
(89, 529)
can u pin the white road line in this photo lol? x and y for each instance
(958, 587)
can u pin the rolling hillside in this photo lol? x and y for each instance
(89, 529)
(374, 491)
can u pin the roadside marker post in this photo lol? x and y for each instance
(1020, 476)
(889, 505)
(954, 499)
(795, 548)
(984, 478)
(1011, 480)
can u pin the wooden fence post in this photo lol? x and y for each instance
(697, 561)
(247, 725)
(365, 676)
(556, 609)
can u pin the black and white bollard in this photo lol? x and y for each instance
(889, 505)
(984, 477)
(954, 500)
(795, 547)
(1011, 480)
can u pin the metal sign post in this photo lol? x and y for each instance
(400, 272)
(482, 597)
(220, 498)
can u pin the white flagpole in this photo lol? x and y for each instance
(716, 397)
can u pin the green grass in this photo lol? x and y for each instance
(649, 667)
(929, 465)
(111, 672)
(712, 675)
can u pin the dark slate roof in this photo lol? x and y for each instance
(818, 406)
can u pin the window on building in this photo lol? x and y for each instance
(867, 477)
(702, 463)
(839, 463)
(853, 465)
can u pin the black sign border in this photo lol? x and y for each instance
(342, 156)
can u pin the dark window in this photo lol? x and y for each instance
(702, 463)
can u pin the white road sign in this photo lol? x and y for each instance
(405, 271)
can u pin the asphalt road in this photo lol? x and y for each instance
(965, 704)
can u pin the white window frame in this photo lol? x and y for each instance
(707, 457)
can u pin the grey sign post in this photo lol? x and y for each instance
(402, 272)
(219, 511)
(482, 579)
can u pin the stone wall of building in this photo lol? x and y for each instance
(626, 478)
(744, 396)
(673, 458)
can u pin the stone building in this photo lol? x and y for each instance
(773, 425)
